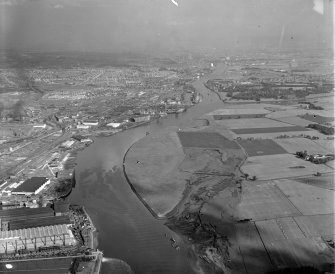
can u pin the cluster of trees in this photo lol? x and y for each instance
(323, 129)
(265, 91)
(312, 106)
(252, 94)
(63, 186)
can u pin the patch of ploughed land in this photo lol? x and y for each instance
(268, 130)
(205, 140)
(261, 147)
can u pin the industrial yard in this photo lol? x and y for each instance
(46, 233)
(45, 121)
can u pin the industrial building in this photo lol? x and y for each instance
(138, 119)
(21, 218)
(33, 185)
(33, 228)
(90, 122)
(25, 213)
(114, 124)
(40, 126)
(67, 144)
(83, 127)
(13, 241)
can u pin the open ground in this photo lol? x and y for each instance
(261, 147)
(281, 166)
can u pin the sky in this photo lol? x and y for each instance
(160, 25)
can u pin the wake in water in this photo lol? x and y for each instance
(104, 260)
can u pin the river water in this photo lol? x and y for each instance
(127, 230)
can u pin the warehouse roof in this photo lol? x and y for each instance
(31, 184)
(25, 212)
(38, 222)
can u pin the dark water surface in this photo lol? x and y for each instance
(126, 228)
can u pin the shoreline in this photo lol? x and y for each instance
(153, 213)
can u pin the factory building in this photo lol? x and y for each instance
(90, 123)
(83, 127)
(114, 124)
(25, 213)
(40, 126)
(13, 241)
(33, 229)
(33, 185)
(138, 119)
(67, 144)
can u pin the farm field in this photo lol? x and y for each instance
(240, 110)
(308, 199)
(264, 201)
(331, 164)
(326, 101)
(325, 181)
(269, 167)
(277, 135)
(269, 129)
(327, 144)
(296, 112)
(261, 147)
(237, 116)
(223, 130)
(251, 123)
(317, 118)
(292, 145)
(255, 257)
(317, 225)
(294, 120)
(300, 252)
(279, 229)
(205, 140)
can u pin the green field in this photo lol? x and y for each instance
(264, 201)
(268, 130)
(205, 140)
(261, 147)
(317, 118)
(308, 199)
(325, 181)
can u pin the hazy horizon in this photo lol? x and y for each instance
(158, 25)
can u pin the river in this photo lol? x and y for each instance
(127, 230)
